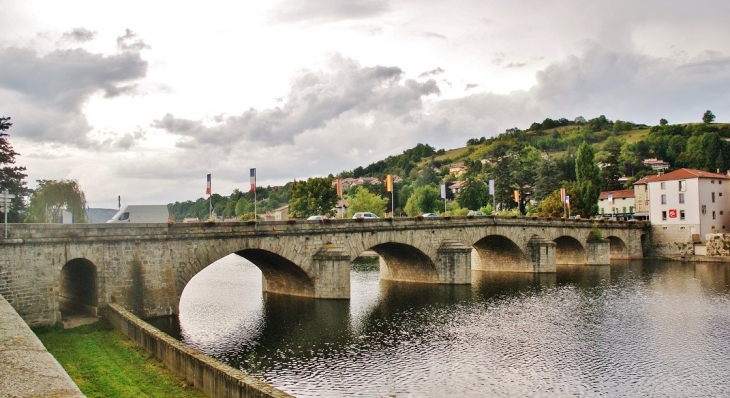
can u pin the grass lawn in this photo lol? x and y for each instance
(105, 363)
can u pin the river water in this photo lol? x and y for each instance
(640, 328)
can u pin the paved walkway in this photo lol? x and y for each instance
(27, 369)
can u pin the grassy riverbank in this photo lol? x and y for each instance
(105, 363)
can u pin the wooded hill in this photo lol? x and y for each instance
(535, 162)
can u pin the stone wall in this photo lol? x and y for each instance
(718, 244)
(208, 375)
(27, 369)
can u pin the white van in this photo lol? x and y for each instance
(141, 214)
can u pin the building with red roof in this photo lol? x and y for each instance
(611, 203)
(686, 204)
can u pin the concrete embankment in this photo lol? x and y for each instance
(27, 369)
(210, 376)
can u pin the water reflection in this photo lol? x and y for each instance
(628, 329)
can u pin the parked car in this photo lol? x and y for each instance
(316, 218)
(429, 215)
(474, 213)
(364, 214)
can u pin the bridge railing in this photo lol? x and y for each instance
(20, 233)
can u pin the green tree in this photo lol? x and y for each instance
(315, 196)
(473, 195)
(663, 122)
(53, 196)
(708, 117)
(424, 200)
(611, 170)
(588, 179)
(12, 177)
(364, 200)
(547, 180)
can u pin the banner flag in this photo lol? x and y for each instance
(388, 183)
(443, 191)
(491, 187)
(207, 189)
(253, 180)
(517, 196)
(339, 187)
(567, 201)
(610, 199)
(562, 195)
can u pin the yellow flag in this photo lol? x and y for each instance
(389, 183)
(517, 196)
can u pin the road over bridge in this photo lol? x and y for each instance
(145, 267)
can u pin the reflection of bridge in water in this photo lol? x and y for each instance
(145, 267)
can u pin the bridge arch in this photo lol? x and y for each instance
(281, 275)
(618, 248)
(402, 262)
(79, 290)
(569, 250)
(497, 252)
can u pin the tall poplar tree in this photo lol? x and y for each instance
(12, 177)
(588, 179)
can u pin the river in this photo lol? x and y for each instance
(639, 328)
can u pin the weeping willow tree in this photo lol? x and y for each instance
(53, 196)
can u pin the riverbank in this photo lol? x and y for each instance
(105, 363)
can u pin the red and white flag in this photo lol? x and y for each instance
(562, 195)
(253, 180)
(339, 187)
(207, 189)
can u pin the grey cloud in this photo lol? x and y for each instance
(470, 86)
(131, 42)
(432, 72)
(290, 11)
(48, 91)
(79, 35)
(316, 98)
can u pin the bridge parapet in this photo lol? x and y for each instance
(49, 233)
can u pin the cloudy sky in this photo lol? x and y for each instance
(144, 98)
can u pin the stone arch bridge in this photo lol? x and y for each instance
(145, 267)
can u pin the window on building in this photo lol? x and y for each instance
(664, 199)
(681, 198)
(704, 209)
(712, 181)
(681, 214)
(713, 214)
(682, 185)
(664, 215)
(663, 185)
(713, 197)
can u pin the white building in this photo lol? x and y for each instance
(687, 204)
(617, 202)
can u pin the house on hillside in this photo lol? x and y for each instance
(685, 205)
(656, 164)
(278, 214)
(458, 169)
(620, 203)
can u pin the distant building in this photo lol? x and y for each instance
(458, 169)
(656, 164)
(455, 187)
(621, 202)
(98, 216)
(278, 214)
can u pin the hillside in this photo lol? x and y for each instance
(535, 162)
